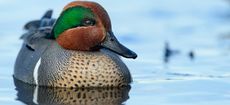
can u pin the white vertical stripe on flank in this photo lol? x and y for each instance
(35, 95)
(36, 71)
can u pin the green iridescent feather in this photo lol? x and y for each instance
(71, 18)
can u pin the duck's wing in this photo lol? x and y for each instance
(35, 24)
(38, 30)
(34, 45)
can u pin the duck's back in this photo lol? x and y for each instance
(27, 59)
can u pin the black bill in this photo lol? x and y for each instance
(114, 45)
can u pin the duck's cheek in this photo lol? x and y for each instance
(91, 37)
(73, 39)
(82, 39)
(97, 35)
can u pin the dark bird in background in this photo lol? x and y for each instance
(169, 52)
(191, 55)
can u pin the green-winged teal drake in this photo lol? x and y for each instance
(78, 49)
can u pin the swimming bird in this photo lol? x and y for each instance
(191, 55)
(169, 52)
(78, 49)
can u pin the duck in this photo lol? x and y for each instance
(76, 50)
(169, 52)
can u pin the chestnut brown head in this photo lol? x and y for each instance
(86, 26)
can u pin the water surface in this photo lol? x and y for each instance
(144, 26)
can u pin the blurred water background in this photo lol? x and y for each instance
(198, 26)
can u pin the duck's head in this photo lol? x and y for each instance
(86, 26)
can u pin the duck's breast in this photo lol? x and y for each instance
(66, 68)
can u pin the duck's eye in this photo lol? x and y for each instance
(88, 22)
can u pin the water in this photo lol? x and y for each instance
(144, 26)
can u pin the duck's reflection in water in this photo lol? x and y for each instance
(33, 95)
